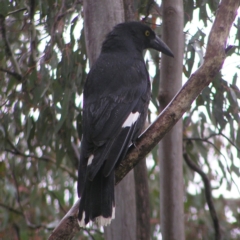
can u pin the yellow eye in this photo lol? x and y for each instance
(147, 33)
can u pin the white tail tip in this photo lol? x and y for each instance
(81, 223)
(100, 221)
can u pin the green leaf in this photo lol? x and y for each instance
(238, 142)
(60, 152)
(2, 169)
(11, 84)
(64, 109)
(31, 133)
(79, 125)
(4, 8)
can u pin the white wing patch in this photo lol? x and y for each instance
(90, 159)
(131, 119)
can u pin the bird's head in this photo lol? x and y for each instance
(135, 35)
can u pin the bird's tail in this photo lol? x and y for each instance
(97, 201)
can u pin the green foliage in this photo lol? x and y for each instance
(38, 115)
(42, 79)
(211, 133)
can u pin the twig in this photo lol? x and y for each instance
(150, 3)
(17, 11)
(59, 202)
(29, 224)
(208, 194)
(217, 149)
(32, 226)
(16, 151)
(59, 17)
(14, 74)
(11, 209)
(207, 141)
(238, 149)
(19, 201)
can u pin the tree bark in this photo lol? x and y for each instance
(136, 214)
(124, 225)
(99, 19)
(142, 201)
(170, 148)
(213, 61)
(129, 10)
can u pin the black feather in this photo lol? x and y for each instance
(117, 87)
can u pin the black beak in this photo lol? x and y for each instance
(160, 46)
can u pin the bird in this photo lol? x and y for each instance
(116, 96)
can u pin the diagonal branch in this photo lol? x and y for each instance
(213, 61)
(14, 74)
(11, 209)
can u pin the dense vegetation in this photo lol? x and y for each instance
(43, 65)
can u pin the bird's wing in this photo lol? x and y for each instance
(112, 119)
(110, 124)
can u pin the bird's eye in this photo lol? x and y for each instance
(147, 33)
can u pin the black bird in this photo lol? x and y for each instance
(115, 105)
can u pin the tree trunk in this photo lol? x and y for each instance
(124, 225)
(99, 20)
(142, 201)
(213, 61)
(170, 148)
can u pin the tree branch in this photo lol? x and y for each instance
(209, 142)
(14, 74)
(11, 209)
(238, 149)
(217, 149)
(208, 194)
(149, 5)
(213, 61)
(29, 224)
(17, 11)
